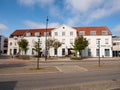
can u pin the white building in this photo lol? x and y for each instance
(3, 44)
(66, 35)
(116, 46)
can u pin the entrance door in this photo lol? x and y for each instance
(15, 51)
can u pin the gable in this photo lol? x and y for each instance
(64, 29)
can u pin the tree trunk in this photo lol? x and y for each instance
(80, 53)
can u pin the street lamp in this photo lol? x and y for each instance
(38, 51)
(46, 39)
(99, 51)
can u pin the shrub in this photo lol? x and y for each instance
(24, 57)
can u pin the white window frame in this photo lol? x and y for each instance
(37, 34)
(82, 33)
(56, 33)
(93, 32)
(104, 32)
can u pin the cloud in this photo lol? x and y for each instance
(42, 3)
(3, 27)
(117, 28)
(73, 20)
(91, 10)
(31, 24)
(82, 6)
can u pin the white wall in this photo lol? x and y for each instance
(92, 42)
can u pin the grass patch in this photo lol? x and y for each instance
(24, 57)
(76, 58)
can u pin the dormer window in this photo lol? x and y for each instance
(46, 34)
(92, 32)
(104, 32)
(28, 34)
(82, 33)
(37, 34)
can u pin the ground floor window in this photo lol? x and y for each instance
(97, 52)
(55, 51)
(107, 52)
(89, 52)
(63, 51)
(116, 53)
(33, 51)
(15, 51)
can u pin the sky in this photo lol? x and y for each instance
(29, 14)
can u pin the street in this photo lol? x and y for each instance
(40, 81)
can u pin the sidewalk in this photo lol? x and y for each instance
(16, 67)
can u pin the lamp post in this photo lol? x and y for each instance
(99, 51)
(46, 39)
(38, 52)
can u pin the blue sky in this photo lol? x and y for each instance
(28, 14)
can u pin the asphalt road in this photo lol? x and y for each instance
(33, 81)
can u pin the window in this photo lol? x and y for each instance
(56, 33)
(46, 34)
(114, 44)
(10, 43)
(82, 32)
(71, 41)
(89, 52)
(106, 41)
(63, 41)
(107, 52)
(37, 34)
(71, 33)
(55, 51)
(97, 52)
(104, 32)
(63, 33)
(92, 32)
(63, 51)
(28, 34)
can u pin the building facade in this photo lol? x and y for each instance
(99, 38)
(116, 46)
(3, 44)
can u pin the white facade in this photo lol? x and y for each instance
(116, 46)
(66, 35)
(3, 44)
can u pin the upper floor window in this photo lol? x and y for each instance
(56, 33)
(63, 41)
(71, 33)
(82, 32)
(104, 32)
(106, 41)
(46, 34)
(37, 34)
(92, 32)
(71, 41)
(10, 43)
(63, 33)
(28, 34)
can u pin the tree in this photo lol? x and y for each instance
(53, 43)
(80, 44)
(23, 43)
(36, 47)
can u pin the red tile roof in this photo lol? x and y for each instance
(98, 30)
(87, 30)
(32, 31)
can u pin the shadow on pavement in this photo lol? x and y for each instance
(4, 57)
(8, 85)
(11, 65)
